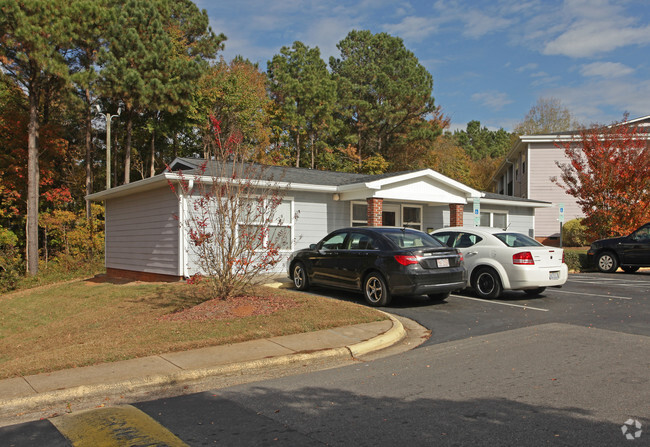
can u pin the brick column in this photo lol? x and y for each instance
(374, 211)
(456, 215)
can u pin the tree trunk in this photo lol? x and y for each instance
(32, 184)
(89, 155)
(152, 170)
(313, 152)
(297, 150)
(127, 149)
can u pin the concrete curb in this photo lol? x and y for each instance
(156, 382)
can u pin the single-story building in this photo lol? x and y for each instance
(144, 239)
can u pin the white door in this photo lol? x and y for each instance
(391, 215)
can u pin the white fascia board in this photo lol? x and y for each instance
(514, 203)
(379, 184)
(174, 177)
(271, 184)
(140, 185)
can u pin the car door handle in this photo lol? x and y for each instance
(471, 253)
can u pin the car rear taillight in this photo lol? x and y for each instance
(563, 258)
(407, 259)
(525, 258)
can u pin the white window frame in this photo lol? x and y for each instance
(421, 223)
(287, 224)
(352, 221)
(493, 212)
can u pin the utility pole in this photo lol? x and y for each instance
(109, 117)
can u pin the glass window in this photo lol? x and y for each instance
(412, 217)
(280, 237)
(334, 242)
(283, 212)
(359, 241)
(500, 220)
(359, 214)
(446, 238)
(411, 239)
(467, 240)
(255, 224)
(517, 240)
(492, 219)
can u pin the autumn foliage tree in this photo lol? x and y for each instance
(234, 217)
(609, 174)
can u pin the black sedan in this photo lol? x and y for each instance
(628, 252)
(380, 262)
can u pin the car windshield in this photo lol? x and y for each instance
(517, 240)
(411, 239)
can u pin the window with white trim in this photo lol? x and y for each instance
(412, 216)
(280, 229)
(495, 219)
(359, 214)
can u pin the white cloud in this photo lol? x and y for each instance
(492, 99)
(412, 28)
(591, 27)
(611, 95)
(606, 69)
(478, 24)
(529, 66)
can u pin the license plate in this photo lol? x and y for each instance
(442, 262)
(553, 275)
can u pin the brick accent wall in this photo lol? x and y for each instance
(140, 276)
(456, 214)
(375, 206)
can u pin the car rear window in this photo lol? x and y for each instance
(411, 239)
(517, 240)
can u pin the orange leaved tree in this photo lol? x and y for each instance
(609, 174)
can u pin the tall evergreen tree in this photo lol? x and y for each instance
(383, 89)
(305, 93)
(154, 56)
(33, 37)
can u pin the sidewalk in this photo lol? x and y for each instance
(24, 394)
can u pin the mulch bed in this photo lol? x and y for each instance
(237, 307)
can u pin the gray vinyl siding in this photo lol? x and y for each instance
(142, 233)
(318, 215)
(543, 167)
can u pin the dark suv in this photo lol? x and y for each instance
(628, 252)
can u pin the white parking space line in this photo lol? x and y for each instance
(499, 302)
(620, 284)
(593, 294)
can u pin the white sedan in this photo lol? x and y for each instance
(498, 260)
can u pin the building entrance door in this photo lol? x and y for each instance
(390, 216)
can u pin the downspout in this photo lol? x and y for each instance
(181, 235)
(182, 206)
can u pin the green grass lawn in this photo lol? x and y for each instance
(85, 322)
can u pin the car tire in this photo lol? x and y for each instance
(607, 262)
(534, 292)
(439, 296)
(629, 269)
(375, 290)
(486, 283)
(299, 276)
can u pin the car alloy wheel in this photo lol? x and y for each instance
(487, 283)
(300, 276)
(375, 290)
(607, 263)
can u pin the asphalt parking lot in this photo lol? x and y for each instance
(618, 302)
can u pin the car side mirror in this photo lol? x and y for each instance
(313, 246)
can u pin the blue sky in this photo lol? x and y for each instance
(490, 60)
